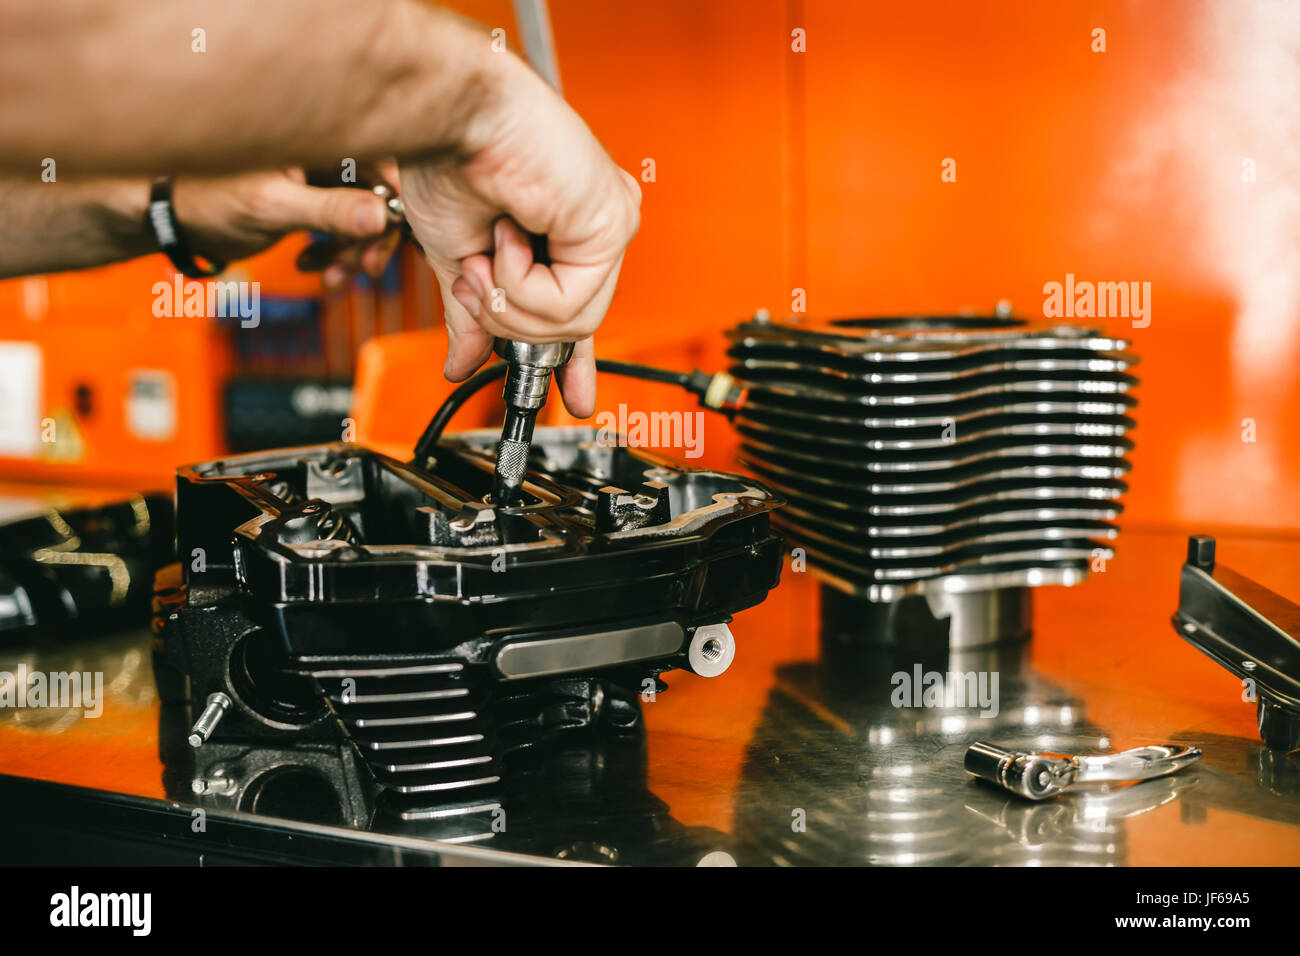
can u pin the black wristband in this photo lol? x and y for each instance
(161, 217)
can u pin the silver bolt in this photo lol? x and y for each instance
(218, 704)
(1248, 665)
(218, 783)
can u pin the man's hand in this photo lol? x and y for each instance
(234, 217)
(95, 222)
(528, 164)
(481, 138)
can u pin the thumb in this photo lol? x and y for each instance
(468, 344)
(357, 213)
(577, 379)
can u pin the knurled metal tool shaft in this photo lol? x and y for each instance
(528, 379)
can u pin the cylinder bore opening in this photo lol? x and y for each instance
(299, 793)
(258, 676)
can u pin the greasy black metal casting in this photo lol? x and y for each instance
(1248, 629)
(69, 571)
(333, 593)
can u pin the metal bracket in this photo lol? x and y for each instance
(1248, 629)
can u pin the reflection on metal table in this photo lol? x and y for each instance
(791, 757)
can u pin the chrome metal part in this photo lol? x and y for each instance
(712, 650)
(528, 379)
(218, 783)
(976, 618)
(1037, 776)
(217, 705)
(537, 39)
(939, 455)
(394, 208)
(561, 655)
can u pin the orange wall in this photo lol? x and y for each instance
(820, 170)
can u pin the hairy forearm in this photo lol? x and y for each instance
(51, 227)
(112, 87)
